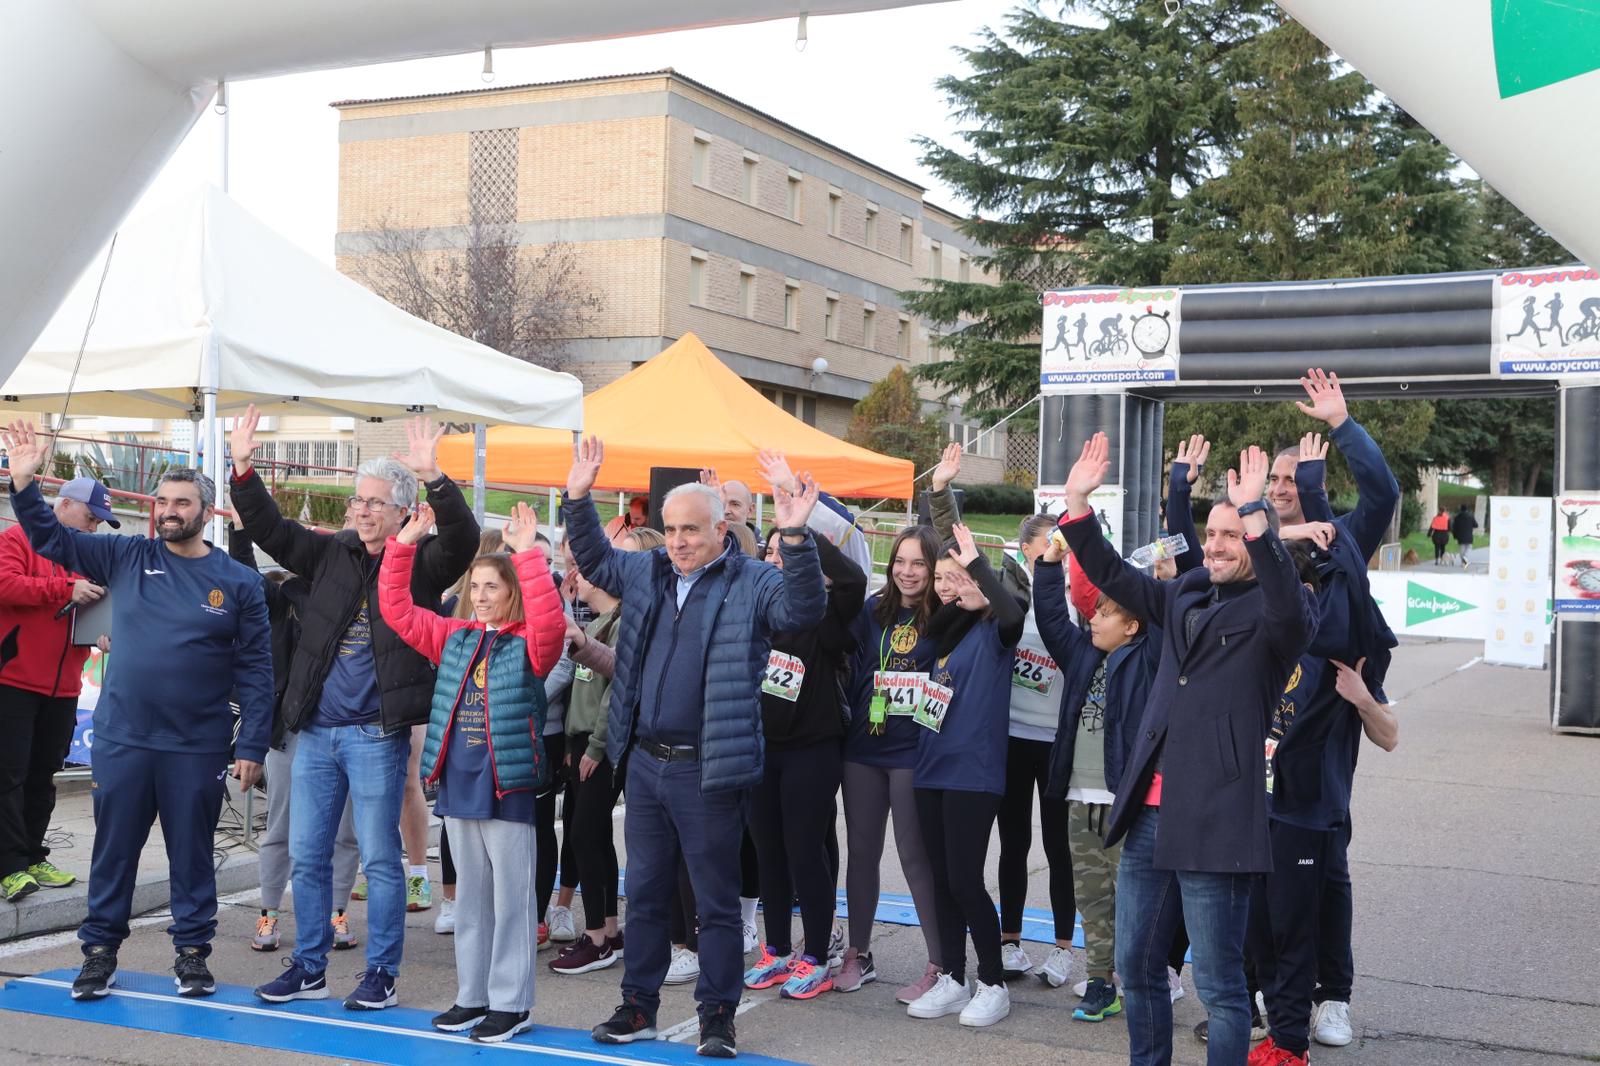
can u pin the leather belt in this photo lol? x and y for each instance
(668, 752)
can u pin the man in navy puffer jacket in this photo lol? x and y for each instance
(685, 721)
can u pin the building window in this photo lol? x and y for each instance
(965, 269)
(872, 226)
(802, 407)
(830, 319)
(791, 304)
(935, 259)
(869, 327)
(697, 279)
(902, 338)
(748, 188)
(808, 410)
(794, 196)
(702, 160)
(747, 292)
(834, 199)
(905, 240)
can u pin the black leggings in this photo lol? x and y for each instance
(1027, 771)
(596, 797)
(447, 866)
(791, 812)
(955, 831)
(544, 819)
(1441, 541)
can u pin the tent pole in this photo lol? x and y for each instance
(212, 454)
(554, 510)
(480, 461)
(759, 500)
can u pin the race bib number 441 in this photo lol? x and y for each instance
(785, 674)
(901, 691)
(1034, 671)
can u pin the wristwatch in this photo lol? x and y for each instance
(1252, 507)
(792, 531)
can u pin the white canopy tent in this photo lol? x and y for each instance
(204, 310)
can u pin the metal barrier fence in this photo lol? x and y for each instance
(881, 539)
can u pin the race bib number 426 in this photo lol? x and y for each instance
(1034, 671)
(785, 674)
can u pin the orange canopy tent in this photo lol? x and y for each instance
(682, 408)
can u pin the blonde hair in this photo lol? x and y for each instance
(746, 538)
(645, 539)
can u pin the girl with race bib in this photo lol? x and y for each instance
(960, 774)
(792, 808)
(892, 659)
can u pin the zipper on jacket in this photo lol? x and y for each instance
(449, 724)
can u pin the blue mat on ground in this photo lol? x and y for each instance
(399, 1036)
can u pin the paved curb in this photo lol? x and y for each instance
(52, 910)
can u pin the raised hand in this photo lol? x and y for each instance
(242, 439)
(966, 550)
(1319, 533)
(1349, 684)
(949, 467)
(792, 509)
(1327, 398)
(774, 466)
(417, 525)
(1055, 548)
(710, 480)
(1249, 482)
(523, 529)
(422, 447)
(1087, 474)
(1194, 451)
(1313, 449)
(587, 455)
(27, 451)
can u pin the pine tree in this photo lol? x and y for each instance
(1083, 137)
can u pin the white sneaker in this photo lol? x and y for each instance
(562, 930)
(751, 940)
(1014, 961)
(445, 922)
(945, 997)
(836, 948)
(990, 1004)
(1057, 967)
(1330, 1023)
(685, 967)
(1175, 984)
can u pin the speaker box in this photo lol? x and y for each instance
(663, 479)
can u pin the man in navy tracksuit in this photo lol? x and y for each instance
(191, 628)
(1303, 908)
(685, 722)
(1190, 810)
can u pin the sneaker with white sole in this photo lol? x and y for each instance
(1330, 1023)
(499, 1026)
(266, 938)
(444, 923)
(836, 948)
(343, 938)
(1174, 984)
(294, 983)
(1014, 960)
(769, 969)
(918, 988)
(1057, 968)
(855, 970)
(562, 928)
(685, 967)
(751, 940)
(989, 1004)
(945, 997)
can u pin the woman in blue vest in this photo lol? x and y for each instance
(485, 753)
(960, 774)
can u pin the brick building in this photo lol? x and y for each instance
(690, 212)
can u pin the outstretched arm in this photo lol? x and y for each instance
(422, 629)
(1141, 594)
(1191, 459)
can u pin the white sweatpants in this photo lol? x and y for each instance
(497, 925)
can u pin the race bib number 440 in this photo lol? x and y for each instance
(935, 705)
(785, 674)
(1034, 671)
(901, 691)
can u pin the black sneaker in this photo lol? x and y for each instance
(716, 1034)
(627, 1024)
(1099, 1002)
(459, 1019)
(98, 974)
(501, 1025)
(375, 992)
(194, 977)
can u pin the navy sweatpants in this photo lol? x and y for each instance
(132, 788)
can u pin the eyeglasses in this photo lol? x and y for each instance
(361, 503)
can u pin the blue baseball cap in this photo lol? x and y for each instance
(88, 491)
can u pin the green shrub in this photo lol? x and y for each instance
(998, 499)
(1411, 517)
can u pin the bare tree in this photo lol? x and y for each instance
(525, 302)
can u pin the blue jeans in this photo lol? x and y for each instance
(369, 766)
(1216, 908)
(667, 816)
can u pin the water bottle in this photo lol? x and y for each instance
(1165, 548)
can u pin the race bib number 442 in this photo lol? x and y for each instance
(785, 674)
(1034, 671)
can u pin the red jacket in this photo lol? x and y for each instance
(32, 590)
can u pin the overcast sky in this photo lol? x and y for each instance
(865, 83)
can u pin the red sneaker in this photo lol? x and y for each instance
(1267, 1053)
(544, 936)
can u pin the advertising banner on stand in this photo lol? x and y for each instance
(1577, 569)
(1547, 323)
(1105, 501)
(94, 672)
(1435, 605)
(1099, 338)
(1519, 581)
